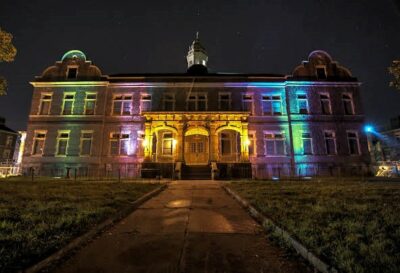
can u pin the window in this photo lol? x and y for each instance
(272, 105)
(90, 103)
(38, 142)
(45, 103)
(9, 141)
(252, 143)
(169, 102)
(226, 144)
(122, 105)
(321, 72)
(119, 144)
(167, 144)
(325, 104)
(6, 154)
(302, 103)
(62, 143)
(197, 102)
(247, 103)
(307, 143)
(145, 103)
(352, 139)
(72, 72)
(68, 104)
(330, 142)
(348, 104)
(274, 144)
(224, 101)
(86, 143)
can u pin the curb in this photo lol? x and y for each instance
(267, 223)
(81, 240)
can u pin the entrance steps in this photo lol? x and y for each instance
(196, 172)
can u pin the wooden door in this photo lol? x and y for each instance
(196, 150)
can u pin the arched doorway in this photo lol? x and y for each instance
(197, 150)
(229, 146)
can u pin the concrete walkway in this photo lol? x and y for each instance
(193, 226)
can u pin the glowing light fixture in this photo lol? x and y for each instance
(369, 128)
(145, 143)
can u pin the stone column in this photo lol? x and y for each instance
(148, 140)
(213, 140)
(244, 142)
(179, 145)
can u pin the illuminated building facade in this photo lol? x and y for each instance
(201, 123)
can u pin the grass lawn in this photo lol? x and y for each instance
(37, 218)
(354, 226)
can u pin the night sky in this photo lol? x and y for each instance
(240, 36)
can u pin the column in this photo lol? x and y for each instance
(148, 140)
(244, 142)
(213, 140)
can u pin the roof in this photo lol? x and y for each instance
(6, 129)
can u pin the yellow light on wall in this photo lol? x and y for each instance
(145, 143)
(174, 142)
(247, 142)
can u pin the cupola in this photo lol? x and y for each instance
(197, 57)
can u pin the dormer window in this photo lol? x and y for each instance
(321, 72)
(72, 72)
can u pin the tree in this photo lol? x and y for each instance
(7, 54)
(394, 69)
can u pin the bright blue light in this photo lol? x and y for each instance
(368, 128)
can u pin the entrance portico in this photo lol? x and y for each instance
(196, 138)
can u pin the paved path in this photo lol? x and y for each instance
(193, 226)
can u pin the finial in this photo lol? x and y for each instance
(197, 35)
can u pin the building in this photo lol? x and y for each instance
(197, 123)
(8, 141)
(384, 145)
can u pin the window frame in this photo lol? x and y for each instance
(83, 138)
(65, 100)
(165, 139)
(283, 139)
(220, 100)
(298, 100)
(43, 100)
(356, 138)
(317, 67)
(68, 70)
(36, 138)
(310, 138)
(272, 98)
(328, 99)
(125, 98)
(246, 100)
(59, 137)
(165, 100)
(88, 100)
(145, 98)
(8, 143)
(334, 141)
(348, 100)
(120, 140)
(196, 100)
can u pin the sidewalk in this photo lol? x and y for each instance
(193, 226)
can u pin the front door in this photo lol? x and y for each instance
(196, 150)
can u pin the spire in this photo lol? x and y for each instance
(197, 57)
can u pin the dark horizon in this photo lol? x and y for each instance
(256, 37)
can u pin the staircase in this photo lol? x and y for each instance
(196, 172)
